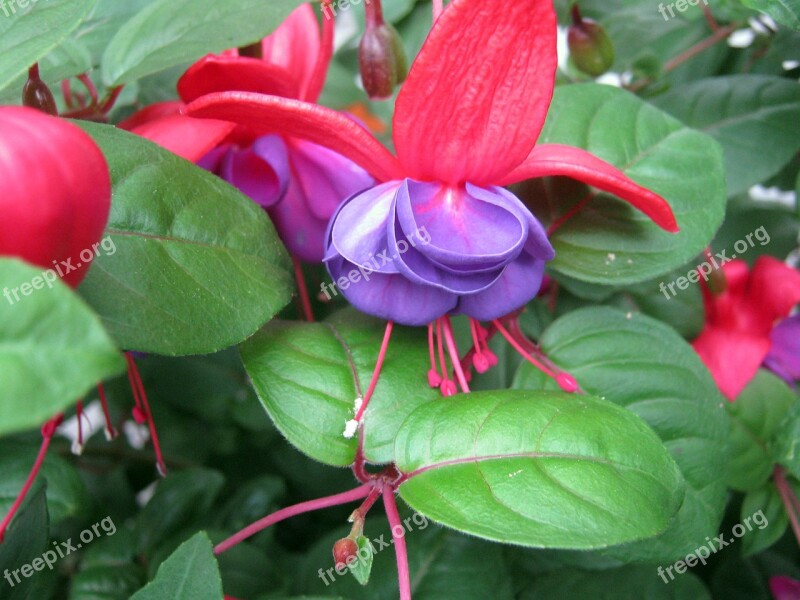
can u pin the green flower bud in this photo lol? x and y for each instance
(590, 47)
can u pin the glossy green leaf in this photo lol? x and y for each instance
(107, 582)
(26, 539)
(53, 348)
(191, 573)
(66, 493)
(545, 469)
(626, 583)
(785, 12)
(755, 417)
(362, 567)
(642, 364)
(308, 376)
(785, 442)
(195, 267)
(171, 32)
(608, 241)
(27, 34)
(763, 509)
(755, 118)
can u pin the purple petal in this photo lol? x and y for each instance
(784, 588)
(518, 285)
(391, 297)
(301, 232)
(327, 178)
(358, 229)
(784, 355)
(465, 230)
(260, 171)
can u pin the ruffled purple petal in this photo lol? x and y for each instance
(391, 297)
(465, 230)
(358, 229)
(518, 285)
(784, 355)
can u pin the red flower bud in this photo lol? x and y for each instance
(36, 94)
(590, 48)
(382, 60)
(56, 192)
(344, 550)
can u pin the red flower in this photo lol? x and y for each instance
(56, 192)
(736, 336)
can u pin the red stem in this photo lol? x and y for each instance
(403, 576)
(48, 430)
(111, 433)
(790, 502)
(90, 87)
(377, 372)
(358, 493)
(133, 373)
(554, 226)
(302, 290)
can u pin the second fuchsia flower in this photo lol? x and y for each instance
(466, 122)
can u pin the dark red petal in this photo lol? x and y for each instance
(187, 137)
(477, 95)
(555, 159)
(269, 114)
(232, 73)
(732, 357)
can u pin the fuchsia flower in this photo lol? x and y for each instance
(60, 206)
(465, 124)
(784, 588)
(300, 183)
(740, 334)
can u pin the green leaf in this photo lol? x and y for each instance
(25, 540)
(756, 415)
(362, 567)
(785, 12)
(765, 506)
(626, 583)
(608, 241)
(171, 32)
(27, 34)
(545, 469)
(179, 501)
(756, 119)
(53, 348)
(308, 375)
(190, 573)
(107, 582)
(642, 364)
(194, 265)
(66, 493)
(785, 442)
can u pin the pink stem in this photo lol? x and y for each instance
(317, 81)
(454, 357)
(358, 493)
(112, 433)
(302, 290)
(136, 378)
(403, 577)
(555, 225)
(790, 502)
(48, 430)
(90, 87)
(359, 464)
(377, 372)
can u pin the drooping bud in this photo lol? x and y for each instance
(381, 56)
(36, 94)
(590, 48)
(343, 550)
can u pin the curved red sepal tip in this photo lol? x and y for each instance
(567, 382)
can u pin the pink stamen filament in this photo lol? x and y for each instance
(518, 347)
(555, 225)
(377, 372)
(434, 379)
(302, 290)
(358, 493)
(48, 431)
(403, 576)
(135, 378)
(111, 433)
(454, 356)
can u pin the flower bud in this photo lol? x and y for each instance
(590, 47)
(343, 550)
(382, 60)
(36, 94)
